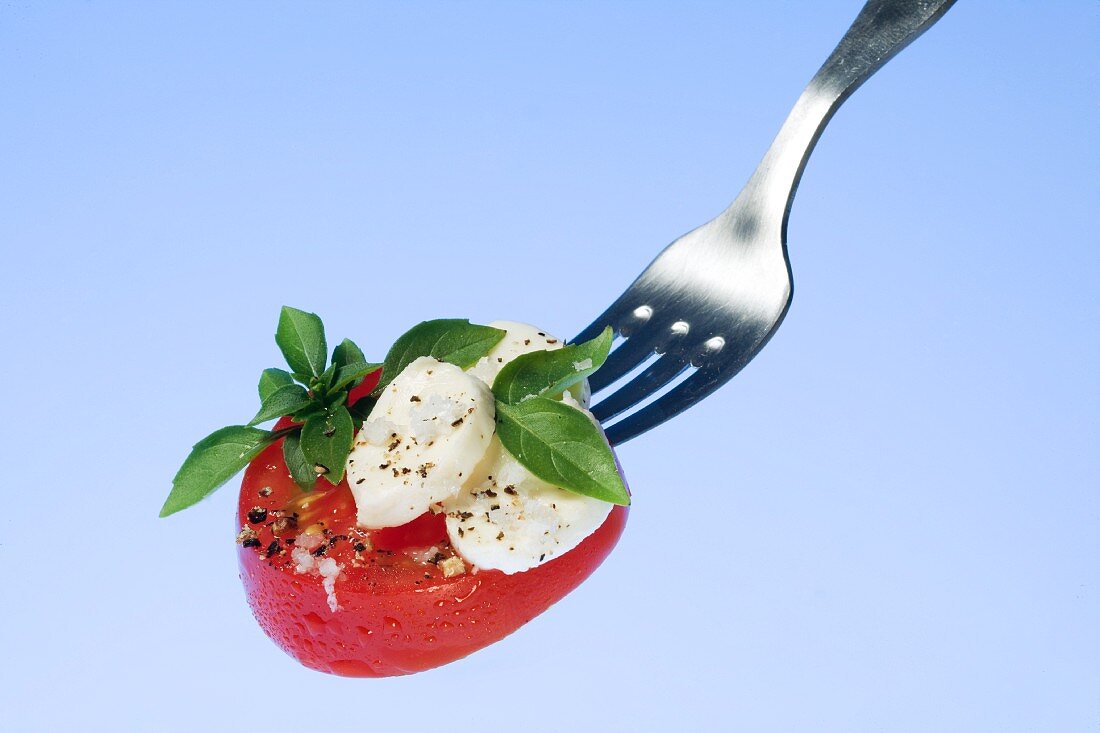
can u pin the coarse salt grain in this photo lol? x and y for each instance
(583, 364)
(329, 571)
(378, 432)
(307, 563)
(309, 540)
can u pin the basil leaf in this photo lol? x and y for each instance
(313, 408)
(322, 383)
(301, 338)
(271, 380)
(350, 375)
(214, 460)
(550, 372)
(346, 352)
(452, 340)
(326, 441)
(561, 446)
(301, 470)
(286, 400)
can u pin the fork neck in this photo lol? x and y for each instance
(881, 30)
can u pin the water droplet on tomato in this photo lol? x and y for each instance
(391, 622)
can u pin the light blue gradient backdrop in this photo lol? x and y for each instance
(888, 522)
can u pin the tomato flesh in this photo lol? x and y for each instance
(397, 611)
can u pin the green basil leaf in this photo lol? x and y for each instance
(350, 375)
(346, 352)
(322, 383)
(313, 408)
(562, 446)
(301, 338)
(327, 439)
(301, 470)
(286, 400)
(550, 372)
(214, 460)
(271, 380)
(452, 340)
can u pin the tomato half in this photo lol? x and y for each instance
(397, 612)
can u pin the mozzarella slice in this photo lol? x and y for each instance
(521, 338)
(507, 519)
(423, 440)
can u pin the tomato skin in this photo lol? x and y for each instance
(396, 615)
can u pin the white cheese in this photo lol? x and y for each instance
(425, 436)
(509, 520)
(430, 445)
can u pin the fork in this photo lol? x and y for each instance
(713, 298)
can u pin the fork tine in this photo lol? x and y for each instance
(593, 329)
(683, 396)
(657, 375)
(613, 317)
(630, 354)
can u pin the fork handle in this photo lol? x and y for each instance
(881, 30)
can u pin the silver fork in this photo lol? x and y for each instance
(713, 298)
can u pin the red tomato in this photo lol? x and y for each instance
(397, 612)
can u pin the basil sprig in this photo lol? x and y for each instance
(313, 394)
(553, 440)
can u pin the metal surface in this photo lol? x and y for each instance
(713, 298)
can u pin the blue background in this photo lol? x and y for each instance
(888, 522)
